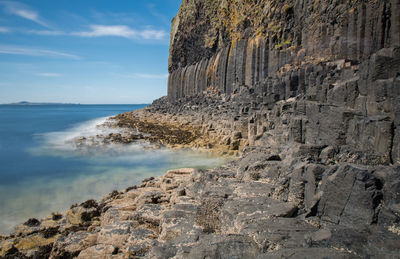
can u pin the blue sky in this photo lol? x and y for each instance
(84, 51)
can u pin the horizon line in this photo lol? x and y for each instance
(49, 103)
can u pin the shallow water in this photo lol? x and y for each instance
(41, 171)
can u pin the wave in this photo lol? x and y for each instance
(64, 142)
(64, 139)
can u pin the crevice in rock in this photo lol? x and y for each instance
(393, 132)
(385, 24)
(226, 67)
(376, 204)
(313, 210)
(347, 201)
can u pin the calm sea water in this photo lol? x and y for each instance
(42, 172)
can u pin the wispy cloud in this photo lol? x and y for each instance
(4, 30)
(14, 50)
(153, 34)
(101, 30)
(149, 76)
(49, 74)
(121, 31)
(47, 32)
(23, 11)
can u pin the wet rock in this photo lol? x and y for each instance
(56, 216)
(89, 204)
(80, 215)
(50, 232)
(32, 222)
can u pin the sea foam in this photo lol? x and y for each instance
(64, 140)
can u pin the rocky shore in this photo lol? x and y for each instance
(298, 200)
(156, 128)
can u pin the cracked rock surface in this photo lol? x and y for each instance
(294, 207)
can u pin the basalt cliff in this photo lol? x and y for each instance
(307, 93)
(311, 72)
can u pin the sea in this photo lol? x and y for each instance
(42, 171)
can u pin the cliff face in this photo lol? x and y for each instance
(336, 62)
(293, 31)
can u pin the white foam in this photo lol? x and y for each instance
(64, 140)
(63, 143)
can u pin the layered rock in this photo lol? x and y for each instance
(339, 59)
(281, 32)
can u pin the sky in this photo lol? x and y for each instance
(84, 51)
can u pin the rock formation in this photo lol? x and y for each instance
(340, 60)
(308, 91)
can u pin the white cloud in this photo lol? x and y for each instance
(47, 32)
(121, 31)
(152, 34)
(49, 74)
(101, 30)
(23, 11)
(13, 50)
(150, 76)
(4, 30)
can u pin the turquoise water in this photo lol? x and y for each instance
(41, 171)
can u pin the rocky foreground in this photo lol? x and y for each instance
(298, 200)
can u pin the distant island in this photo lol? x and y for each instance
(25, 103)
(37, 103)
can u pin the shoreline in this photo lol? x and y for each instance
(266, 200)
(161, 152)
(159, 130)
(48, 229)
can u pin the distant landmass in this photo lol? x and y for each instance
(37, 103)
(25, 103)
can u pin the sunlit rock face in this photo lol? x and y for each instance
(321, 72)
